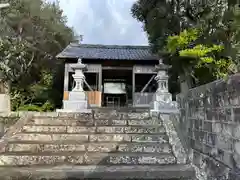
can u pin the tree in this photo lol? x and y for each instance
(36, 32)
(160, 19)
(202, 61)
(236, 36)
(167, 20)
(13, 59)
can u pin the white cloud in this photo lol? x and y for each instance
(104, 21)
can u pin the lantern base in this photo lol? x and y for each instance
(164, 107)
(162, 103)
(77, 96)
(162, 96)
(75, 106)
(77, 102)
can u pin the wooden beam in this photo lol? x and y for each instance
(91, 68)
(100, 80)
(142, 69)
(116, 68)
(145, 72)
(150, 80)
(89, 87)
(133, 86)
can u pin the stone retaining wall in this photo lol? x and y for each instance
(209, 126)
(7, 120)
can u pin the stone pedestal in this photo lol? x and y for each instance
(162, 96)
(164, 107)
(162, 99)
(77, 101)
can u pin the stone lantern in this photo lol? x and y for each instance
(77, 101)
(162, 93)
(162, 99)
(78, 76)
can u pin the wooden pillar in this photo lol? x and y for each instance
(100, 79)
(100, 84)
(133, 85)
(66, 82)
(66, 77)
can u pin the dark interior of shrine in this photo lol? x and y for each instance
(91, 81)
(145, 80)
(117, 85)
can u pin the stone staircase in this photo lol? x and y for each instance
(103, 145)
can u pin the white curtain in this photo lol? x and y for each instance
(114, 88)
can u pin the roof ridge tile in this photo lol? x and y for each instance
(114, 52)
(110, 46)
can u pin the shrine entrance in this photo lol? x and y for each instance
(117, 86)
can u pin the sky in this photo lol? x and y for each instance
(104, 21)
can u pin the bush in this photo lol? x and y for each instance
(30, 107)
(46, 107)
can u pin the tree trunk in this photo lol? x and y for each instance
(185, 82)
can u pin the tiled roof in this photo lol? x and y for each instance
(116, 52)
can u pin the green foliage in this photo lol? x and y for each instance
(182, 40)
(201, 39)
(201, 51)
(160, 19)
(30, 107)
(46, 107)
(15, 58)
(36, 95)
(204, 61)
(33, 32)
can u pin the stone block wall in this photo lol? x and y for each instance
(7, 120)
(209, 126)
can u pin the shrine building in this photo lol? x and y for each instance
(121, 76)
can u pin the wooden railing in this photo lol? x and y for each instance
(94, 98)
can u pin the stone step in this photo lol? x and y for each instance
(111, 114)
(32, 147)
(79, 117)
(21, 159)
(60, 122)
(100, 172)
(121, 109)
(160, 138)
(130, 122)
(91, 122)
(98, 129)
(121, 115)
